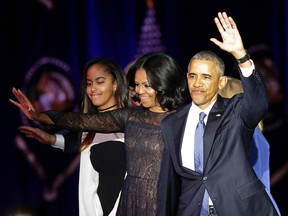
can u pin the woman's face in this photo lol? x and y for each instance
(100, 87)
(146, 93)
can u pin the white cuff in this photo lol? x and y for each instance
(246, 72)
(60, 142)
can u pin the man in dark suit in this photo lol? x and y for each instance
(227, 178)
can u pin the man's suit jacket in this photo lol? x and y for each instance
(227, 174)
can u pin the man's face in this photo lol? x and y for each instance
(204, 82)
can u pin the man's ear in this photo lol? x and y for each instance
(223, 82)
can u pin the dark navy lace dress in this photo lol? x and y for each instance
(143, 144)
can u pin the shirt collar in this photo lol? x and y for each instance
(196, 109)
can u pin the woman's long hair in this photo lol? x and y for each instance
(121, 93)
(165, 77)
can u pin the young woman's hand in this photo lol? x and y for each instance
(38, 134)
(23, 103)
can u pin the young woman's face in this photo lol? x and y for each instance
(146, 93)
(100, 87)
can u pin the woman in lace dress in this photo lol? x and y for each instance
(102, 162)
(161, 86)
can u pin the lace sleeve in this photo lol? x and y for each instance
(106, 122)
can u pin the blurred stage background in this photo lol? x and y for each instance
(45, 43)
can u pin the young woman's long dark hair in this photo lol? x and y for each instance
(121, 93)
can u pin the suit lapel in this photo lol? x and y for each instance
(178, 128)
(212, 125)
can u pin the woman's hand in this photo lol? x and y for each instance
(23, 103)
(38, 134)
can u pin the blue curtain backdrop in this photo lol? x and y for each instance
(67, 33)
